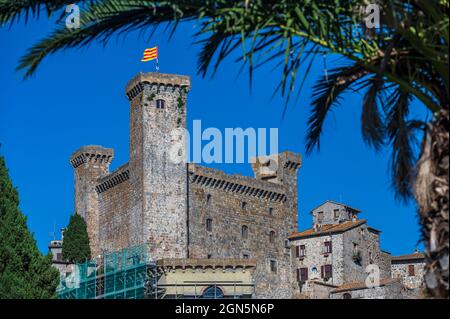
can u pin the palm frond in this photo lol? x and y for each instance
(403, 138)
(326, 93)
(372, 123)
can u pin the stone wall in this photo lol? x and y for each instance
(316, 257)
(390, 289)
(333, 213)
(400, 269)
(90, 163)
(115, 214)
(232, 202)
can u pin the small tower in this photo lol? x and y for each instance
(159, 184)
(90, 163)
(282, 169)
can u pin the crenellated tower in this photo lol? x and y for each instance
(282, 169)
(90, 163)
(158, 184)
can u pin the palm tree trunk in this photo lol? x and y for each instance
(431, 191)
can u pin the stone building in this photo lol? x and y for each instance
(336, 251)
(410, 269)
(55, 249)
(181, 211)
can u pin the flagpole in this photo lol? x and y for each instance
(157, 65)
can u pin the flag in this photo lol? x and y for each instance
(150, 54)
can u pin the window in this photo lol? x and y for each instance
(272, 237)
(328, 247)
(244, 232)
(212, 292)
(208, 198)
(271, 211)
(58, 256)
(411, 270)
(209, 224)
(326, 271)
(319, 217)
(302, 274)
(301, 251)
(336, 214)
(273, 265)
(160, 104)
(347, 296)
(244, 205)
(246, 256)
(209, 256)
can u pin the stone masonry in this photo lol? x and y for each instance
(186, 211)
(336, 250)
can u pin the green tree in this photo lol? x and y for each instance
(24, 271)
(405, 59)
(75, 248)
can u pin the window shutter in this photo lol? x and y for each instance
(297, 251)
(298, 274)
(322, 272)
(306, 274)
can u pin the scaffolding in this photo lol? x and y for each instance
(129, 274)
(119, 275)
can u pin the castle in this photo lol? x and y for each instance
(237, 230)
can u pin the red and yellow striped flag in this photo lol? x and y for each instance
(150, 54)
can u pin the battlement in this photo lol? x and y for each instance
(136, 85)
(242, 185)
(92, 153)
(120, 175)
(271, 168)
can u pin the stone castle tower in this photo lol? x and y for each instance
(157, 107)
(186, 212)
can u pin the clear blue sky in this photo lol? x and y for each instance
(77, 98)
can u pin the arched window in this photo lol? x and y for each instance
(209, 224)
(244, 232)
(271, 237)
(347, 296)
(212, 292)
(160, 104)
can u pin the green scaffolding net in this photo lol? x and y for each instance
(118, 275)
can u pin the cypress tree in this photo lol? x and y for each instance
(75, 248)
(24, 271)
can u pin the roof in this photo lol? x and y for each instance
(362, 285)
(414, 256)
(374, 229)
(337, 203)
(328, 229)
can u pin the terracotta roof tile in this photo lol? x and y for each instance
(362, 285)
(413, 256)
(327, 229)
